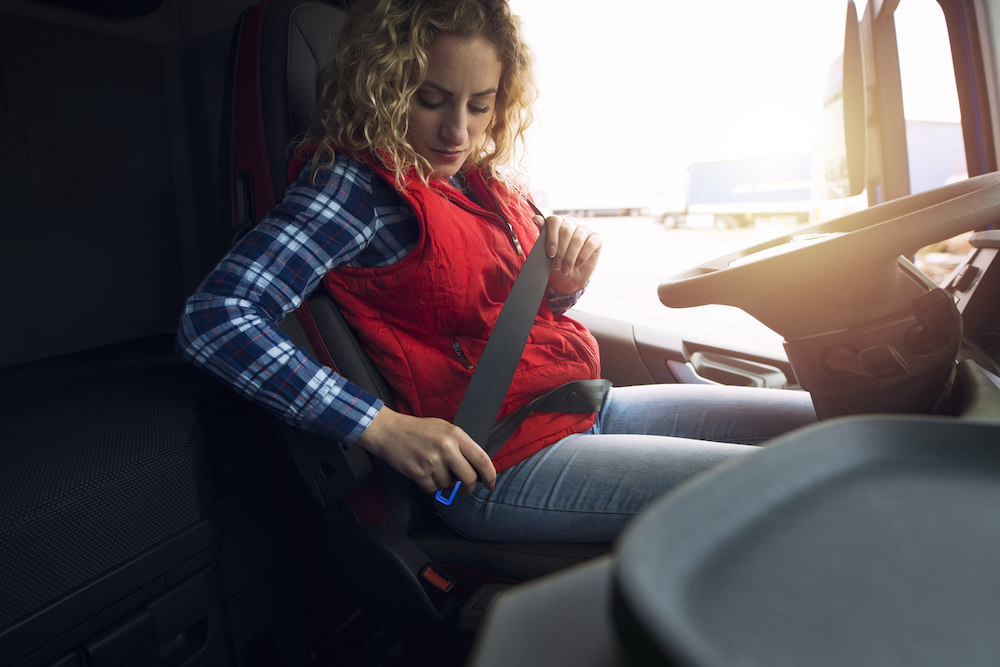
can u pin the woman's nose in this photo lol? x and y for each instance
(455, 128)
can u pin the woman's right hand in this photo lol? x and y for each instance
(431, 452)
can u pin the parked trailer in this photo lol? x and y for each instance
(737, 193)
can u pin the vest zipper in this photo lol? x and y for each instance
(460, 354)
(495, 217)
(513, 237)
(510, 227)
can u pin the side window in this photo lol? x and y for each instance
(934, 144)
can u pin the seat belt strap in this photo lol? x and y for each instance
(490, 381)
(483, 398)
(575, 396)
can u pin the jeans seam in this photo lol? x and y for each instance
(547, 509)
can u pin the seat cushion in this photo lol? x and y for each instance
(100, 460)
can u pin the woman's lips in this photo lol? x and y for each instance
(448, 156)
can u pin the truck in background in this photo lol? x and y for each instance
(583, 201)
(726, 194)
(935, 154)
(741, 192)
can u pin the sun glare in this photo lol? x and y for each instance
(631, 97)
(636, 99)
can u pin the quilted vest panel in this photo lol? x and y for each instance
(425, 320)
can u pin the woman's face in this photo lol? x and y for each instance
(452, 109)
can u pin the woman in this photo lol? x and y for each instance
(401, 213)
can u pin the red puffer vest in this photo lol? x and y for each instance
(425, 319)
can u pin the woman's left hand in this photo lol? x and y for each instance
(574, 249)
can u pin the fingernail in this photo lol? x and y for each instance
(552, 251)
(557, 265)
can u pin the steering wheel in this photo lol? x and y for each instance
(841, 272)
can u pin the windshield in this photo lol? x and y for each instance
(682, 132)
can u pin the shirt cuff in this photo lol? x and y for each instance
(346, 411)
(560, 302)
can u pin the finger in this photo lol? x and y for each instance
(445, 474)
(565, 251)
(444, 479)
(464, 459)
(480, 460)
(460, 470)
(591, 246)
(554, 227)
(431, 480)
(435, 475)
(571, 258)
(550, 230)
(591, 249)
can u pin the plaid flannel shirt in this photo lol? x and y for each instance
(229, 325)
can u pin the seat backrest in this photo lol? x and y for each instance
(279, 48)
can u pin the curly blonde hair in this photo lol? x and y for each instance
(365, 95)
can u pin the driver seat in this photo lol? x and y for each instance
(385, 531)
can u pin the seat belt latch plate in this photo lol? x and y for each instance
(447, 500)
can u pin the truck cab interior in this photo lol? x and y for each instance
(150, 516)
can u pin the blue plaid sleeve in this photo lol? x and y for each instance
(229, 325)
(559, 302)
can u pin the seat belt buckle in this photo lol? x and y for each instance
(441, 498)
(436, 580)
(439, 586)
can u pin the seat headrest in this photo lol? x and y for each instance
(313, 29)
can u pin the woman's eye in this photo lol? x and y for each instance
(429, 105)
(473, 109)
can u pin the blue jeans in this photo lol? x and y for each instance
(647, 440)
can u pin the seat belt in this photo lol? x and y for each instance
(575, 396)
(483, 398)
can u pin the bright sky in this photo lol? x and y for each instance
(633, 92)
